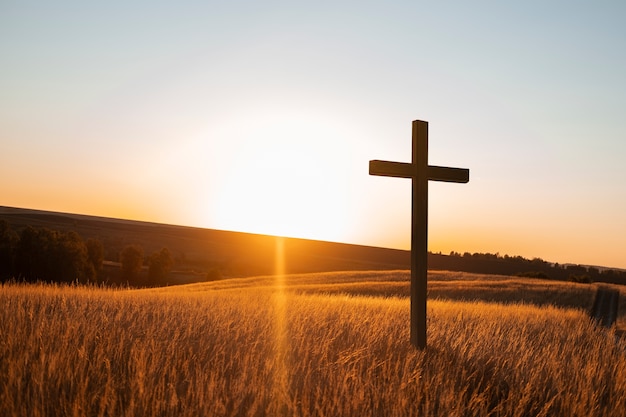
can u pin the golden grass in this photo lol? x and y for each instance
(445, 285)
(249, 349)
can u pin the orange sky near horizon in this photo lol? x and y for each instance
(262, 118)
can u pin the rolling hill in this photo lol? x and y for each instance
(197, 249)
(235, 254)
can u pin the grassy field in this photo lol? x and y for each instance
(331, 344)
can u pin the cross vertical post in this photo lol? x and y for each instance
(419, 234)
(420, 173)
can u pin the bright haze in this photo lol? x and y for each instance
(262, 116)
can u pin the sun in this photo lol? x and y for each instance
(283, 181)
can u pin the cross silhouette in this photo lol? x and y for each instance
(420, 173)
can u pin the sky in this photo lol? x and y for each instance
(262, 116)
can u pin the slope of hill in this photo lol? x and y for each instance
(233, 253)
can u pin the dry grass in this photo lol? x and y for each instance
(246, 348)
(444, 285)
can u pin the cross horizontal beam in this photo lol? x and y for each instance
(406, 170)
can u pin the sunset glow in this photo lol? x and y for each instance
(262, 118)
(274, 181)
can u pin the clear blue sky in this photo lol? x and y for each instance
(262, 117)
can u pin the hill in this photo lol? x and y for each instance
(197, 249)
(234, 254)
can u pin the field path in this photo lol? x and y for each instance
(604, 309)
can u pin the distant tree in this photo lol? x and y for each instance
(131, 259)
(159, 266)
(593, 272)
(576, 269)
(538, 262)
(71, 259)
(48, 255)
(95, 253)
(8, 245)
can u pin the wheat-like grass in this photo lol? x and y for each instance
(262, 351)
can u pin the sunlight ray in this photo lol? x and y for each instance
(281, 350)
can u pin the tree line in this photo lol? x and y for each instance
(488, 263)
(41, 254)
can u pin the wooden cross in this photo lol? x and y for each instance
(420, 173)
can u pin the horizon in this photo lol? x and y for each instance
(460, 253)
(262, 118)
